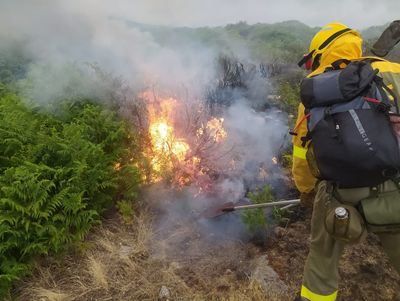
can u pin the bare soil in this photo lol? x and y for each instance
(365, 271)
(147, 261)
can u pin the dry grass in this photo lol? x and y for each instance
(48, 295)
(126, 262)
(132, 262)
(97, 271)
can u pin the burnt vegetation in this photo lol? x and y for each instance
(264, 86)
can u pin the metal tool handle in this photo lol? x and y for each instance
(288, 206)
(263, 205)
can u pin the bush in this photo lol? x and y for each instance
(57, 175)
(254, 219)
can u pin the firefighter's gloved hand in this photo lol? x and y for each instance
(395, 121)
(307, 199)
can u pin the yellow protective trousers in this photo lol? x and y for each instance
(320, 281)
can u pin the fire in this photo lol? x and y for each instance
(180, 149)
(163, 141)
(217, 131)
(213, 129)
(160, 133)
(167, 150)
(181, 139)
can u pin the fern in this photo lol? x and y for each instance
(56, 177)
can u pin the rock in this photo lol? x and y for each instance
(268, 279)
(164, 294)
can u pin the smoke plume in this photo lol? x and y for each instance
(68, 42)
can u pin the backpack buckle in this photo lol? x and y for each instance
(305, 139)
(383, 107)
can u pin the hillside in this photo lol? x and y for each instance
(283, 42)
(266, 42)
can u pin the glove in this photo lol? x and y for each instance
(307, 199)
(395, 121)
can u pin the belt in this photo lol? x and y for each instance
(354, 195)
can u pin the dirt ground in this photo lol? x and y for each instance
(365, 271)
(185, 261)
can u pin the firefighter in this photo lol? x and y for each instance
(334, 42)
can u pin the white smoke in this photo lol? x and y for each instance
(58, 33)
(258, 133)
(64, 37)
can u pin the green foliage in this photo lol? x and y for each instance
(125, 208)
(277, 214)
(254, 219)
(286, 158)
(283, 42)
(57, 175)
(289, 96)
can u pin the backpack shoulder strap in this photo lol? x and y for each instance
(372, 59)
(382, 87)
(337, 64)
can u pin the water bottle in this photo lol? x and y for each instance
(341, 213)
(341, 221)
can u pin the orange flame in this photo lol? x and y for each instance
(216, 129)
(163, 140)
(167, 149)
(173, 150)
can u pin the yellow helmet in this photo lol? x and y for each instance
(321, 41)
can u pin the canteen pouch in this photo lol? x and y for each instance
(382, 212)
(353, 229)
(350, 230)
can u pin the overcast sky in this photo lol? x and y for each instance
(356, 13)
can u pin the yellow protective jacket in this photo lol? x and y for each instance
(346, 47)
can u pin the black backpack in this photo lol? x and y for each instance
(350, 138)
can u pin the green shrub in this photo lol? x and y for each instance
(286, 158)
(254, 219)
(57, 175)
